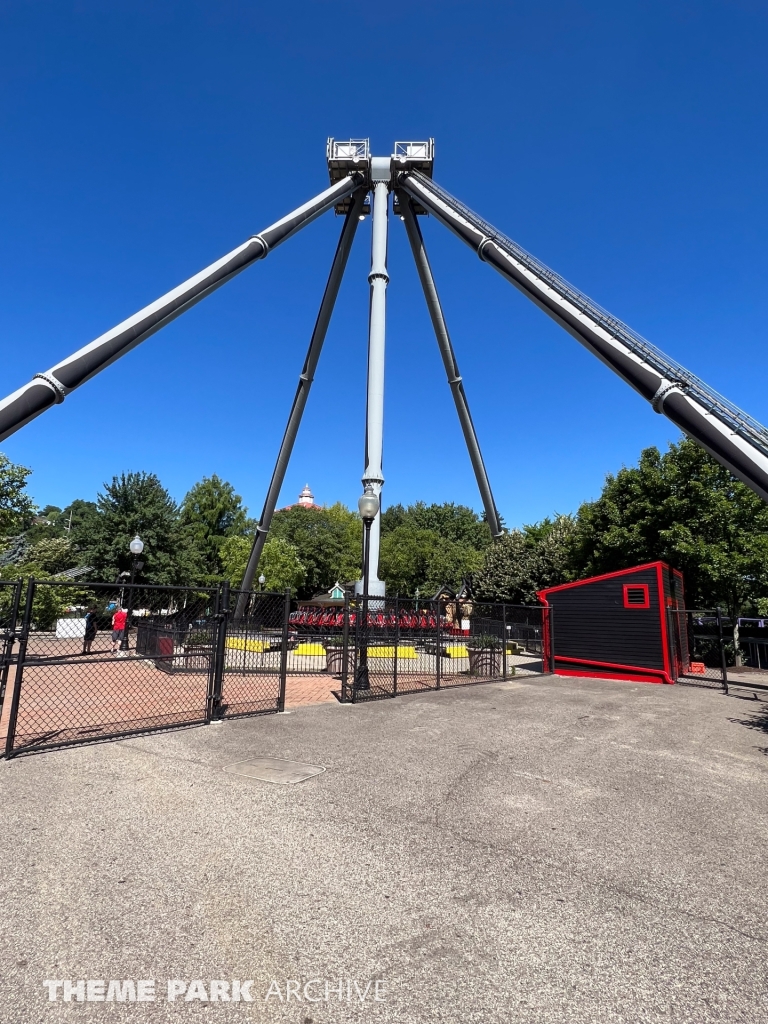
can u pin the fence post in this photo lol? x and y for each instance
(23, 640)
(550, 613)
(438, 662)
(220, 653)
(10, 639)
(345, 650)
(214, 654)
(722, 650)
(356, 650)
(397, 642)
(284, 653)
(504, 641)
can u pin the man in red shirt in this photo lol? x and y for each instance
(118, 626)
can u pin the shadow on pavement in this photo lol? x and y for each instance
(758, 720)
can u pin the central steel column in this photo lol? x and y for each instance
(374, 425)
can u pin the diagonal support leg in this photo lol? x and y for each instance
(302, 391)
(449, 361)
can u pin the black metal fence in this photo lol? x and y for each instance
(104, 660)
(98, 661)
(714, 650)
(10, 599)
(698, 641)
(405, 646)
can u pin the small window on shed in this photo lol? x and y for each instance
(636, 595)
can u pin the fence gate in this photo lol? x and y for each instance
(10, 599)
(253, 658)
(701, 646)
(76, 679)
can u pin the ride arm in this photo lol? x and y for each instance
(449, 362)
(302, 393)
(51, 388)
(734, 439)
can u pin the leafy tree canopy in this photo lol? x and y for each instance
(525, 561)
(414, 559)
(684, 508)
(457, 523)
(16, 507)
(78, 522)
(328, 542)
(211, 512)
(137, 503)
(280, 563)
(49, 556)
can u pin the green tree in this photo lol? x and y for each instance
(522, 562)
(234, 553)
(414, 558)
(137, 503)
(681, 507)
(279, 564)
(457, 523)
(48, 604)
(77, 522)
(50, 555)
(328, 542)
(16, 507)
(211, 512)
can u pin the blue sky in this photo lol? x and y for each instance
(622, 144)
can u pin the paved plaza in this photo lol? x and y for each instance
(537, 850)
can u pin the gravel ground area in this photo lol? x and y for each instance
(540, 850)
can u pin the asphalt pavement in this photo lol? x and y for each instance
(540, 850)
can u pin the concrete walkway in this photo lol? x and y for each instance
(551, 850)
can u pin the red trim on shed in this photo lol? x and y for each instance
(621, 676)
(663, 618)
(594, 579)
(615, 665)
(602, 669)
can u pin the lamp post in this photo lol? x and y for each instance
(368, 506)
(262, 581)
(136, 547)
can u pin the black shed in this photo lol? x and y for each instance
(617, 625)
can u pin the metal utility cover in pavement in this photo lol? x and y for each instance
(275, 769)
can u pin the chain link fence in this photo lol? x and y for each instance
(698, 639)
(406, 646)
(97, 661)
(104, 660)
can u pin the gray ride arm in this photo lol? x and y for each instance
(51, 388)
(736, 440)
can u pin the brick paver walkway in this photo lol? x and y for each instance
(303, 690)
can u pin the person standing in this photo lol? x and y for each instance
(90, 630)
(118, 627)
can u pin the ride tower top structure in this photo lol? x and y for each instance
(344, 158)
